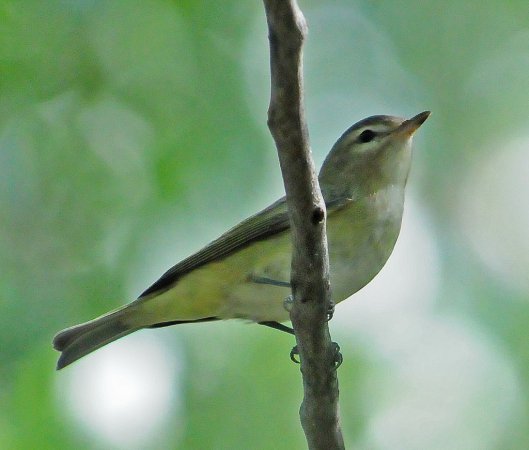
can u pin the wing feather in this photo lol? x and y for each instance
(268, 222)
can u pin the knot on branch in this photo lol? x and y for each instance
(318, 214)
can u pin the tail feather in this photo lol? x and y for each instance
(80, 340)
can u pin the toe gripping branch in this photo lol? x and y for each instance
(337, 360)
(294, 353)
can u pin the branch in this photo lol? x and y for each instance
(310, 261)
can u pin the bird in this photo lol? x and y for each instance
(245, 273)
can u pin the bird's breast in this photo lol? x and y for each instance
(361, 238)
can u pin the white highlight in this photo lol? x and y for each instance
(494, 212)
(445, 386)
(123, 392)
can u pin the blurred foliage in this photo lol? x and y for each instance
(133, 132)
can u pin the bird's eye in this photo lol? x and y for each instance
(366, 136)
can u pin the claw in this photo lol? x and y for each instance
(293, 354)
(338, 357)
(330, 310)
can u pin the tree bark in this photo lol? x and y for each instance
(310, 260)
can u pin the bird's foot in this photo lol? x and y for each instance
(337, 360)
(288, 303)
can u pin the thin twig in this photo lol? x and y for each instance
(310, 261)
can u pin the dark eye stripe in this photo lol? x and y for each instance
(366, 136)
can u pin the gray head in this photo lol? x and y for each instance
(373, 153)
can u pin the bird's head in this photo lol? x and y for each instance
(371, 154)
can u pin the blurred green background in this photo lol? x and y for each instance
(133, 132)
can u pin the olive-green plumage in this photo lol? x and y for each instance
(244, 273)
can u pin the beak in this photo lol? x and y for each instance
(410, 126)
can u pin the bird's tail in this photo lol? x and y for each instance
(79, 340)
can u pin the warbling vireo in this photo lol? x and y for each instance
(245, 273)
